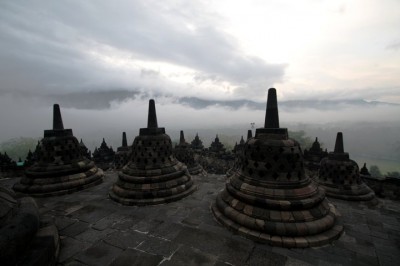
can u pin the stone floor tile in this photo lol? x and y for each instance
(125, 239)
(100, 254)
(69, 247)
(75, 229)
(158, 246)
(133, 257)
(189, 256)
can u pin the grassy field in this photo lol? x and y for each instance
(384, 165)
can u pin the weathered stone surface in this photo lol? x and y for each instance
(269, 198)
(99, 254)
(136, 258)
(25, 238)
(210, 240)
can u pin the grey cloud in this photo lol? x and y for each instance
(198, 103)
(393, 46)
(46, 42)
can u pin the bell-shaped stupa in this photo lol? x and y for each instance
(153, 175)
(60, 167)
(269, 198)
(340, 176)
(184, 153)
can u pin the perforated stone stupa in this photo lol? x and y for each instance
(340, 176)
(60, 167)
(25, 238)
(269, 198)
(153, 175)
(184, 153)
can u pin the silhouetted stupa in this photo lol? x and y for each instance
(104, 156)
(184, 153)
(216, 146)
(197, 144)
(60, 167)
(314, 155)
(269, 198)
(153, 175)
(84, 150)
(340, 176)
(122, 154)
(364, 170)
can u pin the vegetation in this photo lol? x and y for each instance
(18, 147)
(394, 174)
(300, 136)
(375, 171)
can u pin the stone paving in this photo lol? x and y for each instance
(95, 230)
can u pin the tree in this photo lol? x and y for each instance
(18, 147)
(375, 171)
(394, 174)
(301, 137)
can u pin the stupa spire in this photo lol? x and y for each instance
(339, 143)
(152, 118)
(249, 134)
(124, 141)
(57, 119)
(182, 137)
(271, 115)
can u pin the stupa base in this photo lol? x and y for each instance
(152, 201)
(361, 193)
(281, 241)
(196, 170)
(68, 186)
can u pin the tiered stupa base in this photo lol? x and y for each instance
(247, 220)
(54, 180)
(196, 170)
(150, 187)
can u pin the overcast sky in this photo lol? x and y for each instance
(106, 58)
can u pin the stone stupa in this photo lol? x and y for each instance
(197, 144)
(314, 155)
(104, 156)
(60, 167)
(269, 198)
(184, 153)
(340, 176)
(153, 175)
(122, 155)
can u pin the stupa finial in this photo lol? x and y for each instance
(57, 119)
(339, 143)
(124, 141)
(182, 137)
(271, 115)
(249, 134)
(152, 118)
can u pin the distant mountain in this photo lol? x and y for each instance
(198, 103)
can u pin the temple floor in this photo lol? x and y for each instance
(95, 230)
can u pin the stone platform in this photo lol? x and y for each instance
(95, 230)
